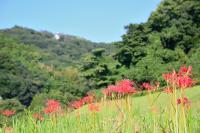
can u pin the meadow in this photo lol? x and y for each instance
(172, 109)
(145, 114)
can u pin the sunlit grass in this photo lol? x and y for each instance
(140, 114)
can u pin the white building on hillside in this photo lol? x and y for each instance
(57, 36)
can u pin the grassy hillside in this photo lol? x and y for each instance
(115, 116)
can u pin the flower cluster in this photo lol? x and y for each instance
(150, 87)
(122, 87)
(168, 90)
(8, 112)
(93, 107)
(183, 100)
(85, 100)
(52, 106)
(180, 79)
(38, 117)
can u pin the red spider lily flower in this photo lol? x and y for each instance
(182, 79)
(53, 106)
(52, 102)
(148, 86)
(126, 86)
(132, 90)
(113, 88)
(183, 100)
(178, 101)
(185, 71)
(8, 112)
(9, 129)
(166, 76)
(106, 92)
(88, 99)
(168, 90)
(127, 90)
(77, 104)
(122, 87)
(38, 117)
(93, 107)
(125, 83)
(170, 78)
(184, 82)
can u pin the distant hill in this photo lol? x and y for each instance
(67, 49)
(33, 62)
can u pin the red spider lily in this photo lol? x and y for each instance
(170, 78)
(9, 129)
(126, 86)
(181, 80)
(106, 92)
(178, 101)
(122, 87)
(184, 82)
(127, 90)
(53, 106)
(93, 107)
(88, 99)
(113, 88)
(148, 86)
(8, 112)
(125, 83)
(38, 117)
(77, 104)
(81, 102)
(185, 71)
(168, 90)
(53, 103)
(183, 100)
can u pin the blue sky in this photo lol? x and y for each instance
(95, 20)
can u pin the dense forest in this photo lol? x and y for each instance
(35, 66)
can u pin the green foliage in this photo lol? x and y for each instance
(39, 100)
(124, 56)
(66, 51)
(166, 41)
(194, 60)
(24, 73)
(98, 52)
(12, 104)
(99, 71)
(169, 39)
(33, 62)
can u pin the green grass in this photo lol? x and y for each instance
(146, 114)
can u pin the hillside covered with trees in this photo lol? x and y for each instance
(169, 39)
(35, 66)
